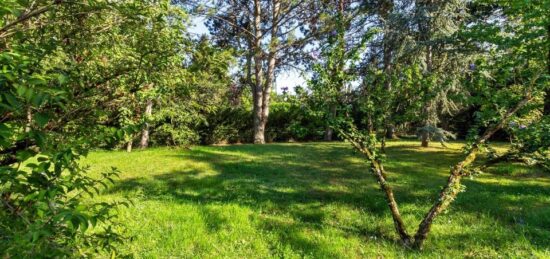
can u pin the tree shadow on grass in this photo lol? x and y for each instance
(301, 180)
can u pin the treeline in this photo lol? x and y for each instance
(293, 117)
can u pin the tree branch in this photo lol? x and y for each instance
(453, 187)
(25, 16)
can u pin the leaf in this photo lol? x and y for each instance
(12, 101)
(21, 90)
(35, 236)
(23, 155)
(62, 78)
(41, 119)
(37, 80)
(38, 99)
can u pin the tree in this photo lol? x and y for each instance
(335, 63)
(265, 32)
(501, 96)
(65, 64)
(188, 110)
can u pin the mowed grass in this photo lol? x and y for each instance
(317, 200)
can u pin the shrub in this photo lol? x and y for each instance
(44, 212)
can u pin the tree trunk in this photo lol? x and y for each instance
(129, 146)
(328, 130)
(378, 171)
(144, 142)
(447, 195)
(259, 125)
(328, 134)
(28, 127)
(390, 132)
(425, 139)
(259, 130)
(262, 91)
(257, 92)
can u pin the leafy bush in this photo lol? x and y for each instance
(228, 125)
(292, 120)
(44, 212)
(532, 141)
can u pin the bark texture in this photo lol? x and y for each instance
(329, 132)
(28, 127)
(263, 80)
(377, 170)
(144, 142)
(390, 132)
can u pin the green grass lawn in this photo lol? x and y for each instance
(317, 200)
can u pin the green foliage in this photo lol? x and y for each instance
(43, 212)
(81, 75)
(229, 125)
(505, 72)
(204, 98)
(531, 142)
(291, 119)
(68, 70)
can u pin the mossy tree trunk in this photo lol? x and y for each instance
(446, 196)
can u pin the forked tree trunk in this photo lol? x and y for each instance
(447, 194)
(262, 86)
(378, 171)
(144, 142)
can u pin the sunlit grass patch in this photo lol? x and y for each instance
(317, 200)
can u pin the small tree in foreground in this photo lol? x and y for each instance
(507, 84)
(367, 145)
